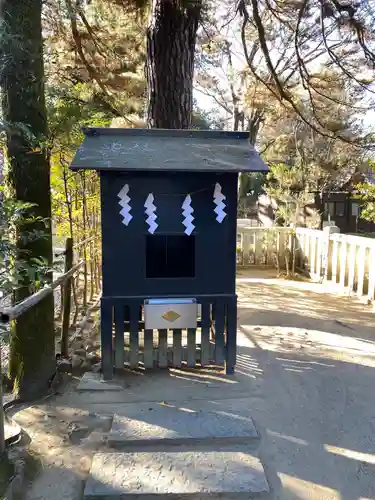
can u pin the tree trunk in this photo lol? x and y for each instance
(253, 124)
(319, 206)
(32, 356)
(171, 40)
(239, 119)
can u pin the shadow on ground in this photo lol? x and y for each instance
(305, 374)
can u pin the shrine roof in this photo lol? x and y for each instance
(130, 149)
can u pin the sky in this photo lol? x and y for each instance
(207, 103)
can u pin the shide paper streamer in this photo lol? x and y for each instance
(124, 203)
(219, 202)
(150, 212)
(187, 209)
(187, 213)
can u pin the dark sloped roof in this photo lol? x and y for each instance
(163, 150)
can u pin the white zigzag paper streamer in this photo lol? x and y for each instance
(187, 213)
(124, 203)
(218, 200)
(150, 212)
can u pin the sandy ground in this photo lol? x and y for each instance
(305, 374)
(313, 357)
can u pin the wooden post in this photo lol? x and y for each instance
(106, 321)
(98, 273)
(231, 336)
(343, 252)
(242, 263)
(83, 245)
(351, 265)
(119, 337)
(61, 302)
(257, 248)
(205, 334)
(371, 279)
(361, 264)
(321, 255)
(335, 256)
(67, 298)
(298, 240)
(75, 284)
(308, 251)
(330, 254)
(95, 277)
(313, 256)
(2, 432)
(245, 249)
(304, 250)
(85, 276)
(163, 349)
(91, 264)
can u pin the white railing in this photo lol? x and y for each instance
(311, 251)
(262, 246)
(343, 260)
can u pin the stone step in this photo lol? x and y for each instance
(147, 424)
(228, 473)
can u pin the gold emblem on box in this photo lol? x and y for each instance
(171, 316)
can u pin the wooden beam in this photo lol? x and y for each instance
(13, 312)
(66, 298)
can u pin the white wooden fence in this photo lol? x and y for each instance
(261, 246)
(343, 260)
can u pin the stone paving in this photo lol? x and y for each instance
(174, 448)
(230, 473)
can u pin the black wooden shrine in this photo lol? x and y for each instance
(163, 239)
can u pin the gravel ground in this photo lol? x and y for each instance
(305, 373)
(312, 358)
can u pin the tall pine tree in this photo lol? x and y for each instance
(171, 40)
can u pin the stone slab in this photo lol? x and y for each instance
(228, 473)
(179, 425)
(94, 382)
